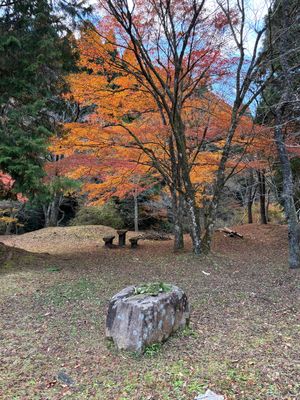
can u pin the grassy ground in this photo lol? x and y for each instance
(243, 340)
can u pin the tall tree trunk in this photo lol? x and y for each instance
(46, 211)
(268, 204)
(289, 95)
(193, 211)
(54, 213)
(250, 197)
(51, 212)
(209, 227)
(177, 198)
(288, 197)
(177, 209)
(189, 191)
(249, 211)
(262, 196)
(136, 212)
(195, 230)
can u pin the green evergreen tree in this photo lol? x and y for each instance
(36, 50)
(279, 53)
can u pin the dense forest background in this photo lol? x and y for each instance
(179, 128)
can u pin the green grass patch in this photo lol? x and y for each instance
(152, 350)
(68, 292)
(53, 268)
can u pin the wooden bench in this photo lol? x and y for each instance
(122, 237)
(108, 241)
(134, 242)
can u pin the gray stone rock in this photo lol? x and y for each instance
(209, 395)
(136, 321)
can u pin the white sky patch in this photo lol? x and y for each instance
(256, 12)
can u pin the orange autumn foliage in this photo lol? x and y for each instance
(126, 128)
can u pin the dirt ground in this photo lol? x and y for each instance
(243, 340)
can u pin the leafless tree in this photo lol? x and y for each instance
(247, 87)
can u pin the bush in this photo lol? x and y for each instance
(276, 214)
(107, 215)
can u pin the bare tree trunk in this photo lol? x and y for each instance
(289, 94)
(54, 213)
(63, 214)
(193, 212)
(177, 198)
(288, 197)
(51, 212)
(136, 212)
(249, 211)
(195, 231)
(268, 204)
(46, 211)
(189, 190)
(246, 74)
(177, 209)
(262, 196)
(209, 227)
(250, 197)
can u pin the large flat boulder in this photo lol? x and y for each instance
(138, 320)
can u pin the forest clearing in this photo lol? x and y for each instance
(149, 199)
(242, 340)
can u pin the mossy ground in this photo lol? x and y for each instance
(243, 340)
